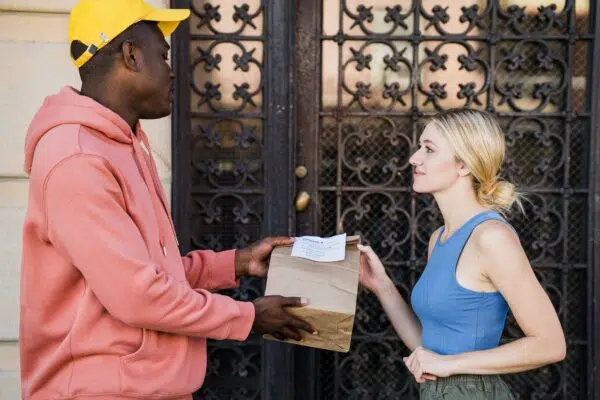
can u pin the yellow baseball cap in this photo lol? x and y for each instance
(94, 23)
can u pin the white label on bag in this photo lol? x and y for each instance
(320, 249)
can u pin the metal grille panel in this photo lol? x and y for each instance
(226, 49)
(384, 68)
(381, 67)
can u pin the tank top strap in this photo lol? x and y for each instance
(459, 238)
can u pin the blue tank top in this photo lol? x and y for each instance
(456, 319)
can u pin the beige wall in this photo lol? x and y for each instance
(34, 64)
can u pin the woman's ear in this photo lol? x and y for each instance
(462, 169)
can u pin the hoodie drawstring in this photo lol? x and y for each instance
(151, 186)
(156, 180)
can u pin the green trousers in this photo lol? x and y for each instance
(471, 387)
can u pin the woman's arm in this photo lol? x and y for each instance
(508, 268)
(374, 277)
(403, 319)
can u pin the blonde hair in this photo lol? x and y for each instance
(478, 142)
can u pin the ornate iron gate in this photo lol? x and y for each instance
(339, 87)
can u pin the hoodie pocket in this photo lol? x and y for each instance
(140, 350)
(163, 365)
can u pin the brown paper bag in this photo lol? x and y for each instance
(330, 287)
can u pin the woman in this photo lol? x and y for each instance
(476, 271)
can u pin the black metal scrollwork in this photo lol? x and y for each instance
(398, 63)
(513, 61)
(364, 15)
(211, 93)
(226, 165)
(212, 13)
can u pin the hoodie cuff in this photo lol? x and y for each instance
(222, 274)
(241, 326)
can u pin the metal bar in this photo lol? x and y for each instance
(181, 131)
(225, 115)
(307, 102)
(414, 127)
(594, 212)
(445, 38)
(415, 132)
(278, 358)
(226, 36)
(386, 189)
(338, 197)
(409, 113)
(228, 344)
(195, 190)
(396, 340)
(536, 265)
(566, 197)
(308, 89)
(492, 53)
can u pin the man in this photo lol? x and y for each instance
(109, 308)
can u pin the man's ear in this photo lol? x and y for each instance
(132, 56)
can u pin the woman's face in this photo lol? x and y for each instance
(435, 167)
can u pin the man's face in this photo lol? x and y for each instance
(154, 80)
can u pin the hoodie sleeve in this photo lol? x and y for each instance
(211, 270)
(88, 223)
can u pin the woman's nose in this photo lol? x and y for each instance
(414, 160)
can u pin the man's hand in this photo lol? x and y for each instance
(254, 260)
(271, 317)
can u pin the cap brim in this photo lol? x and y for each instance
(168, 19)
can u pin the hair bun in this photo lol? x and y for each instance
(499, 195)
(489, 188)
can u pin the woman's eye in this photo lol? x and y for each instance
(428, 149)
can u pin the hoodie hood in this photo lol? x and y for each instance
(70, 107)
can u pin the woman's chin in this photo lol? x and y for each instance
(418, 188)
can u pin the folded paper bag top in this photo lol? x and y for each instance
(330, 287)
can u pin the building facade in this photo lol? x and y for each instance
(298, 117)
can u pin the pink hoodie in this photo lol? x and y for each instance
(109, 308)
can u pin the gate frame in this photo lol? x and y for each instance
(289, 372)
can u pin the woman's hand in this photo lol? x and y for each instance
(425, 364)
(372, 272)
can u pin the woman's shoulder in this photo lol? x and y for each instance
(494, 234)
(500, 251)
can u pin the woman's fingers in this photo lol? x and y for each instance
(368, 252)
(409, 361)
(415, 367)
(428, 377)
(364, 249)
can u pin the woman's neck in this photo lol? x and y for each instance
(457, 205)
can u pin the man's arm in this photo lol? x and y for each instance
(88, 223)
(211, 270)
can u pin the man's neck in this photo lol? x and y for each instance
(113, 100)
